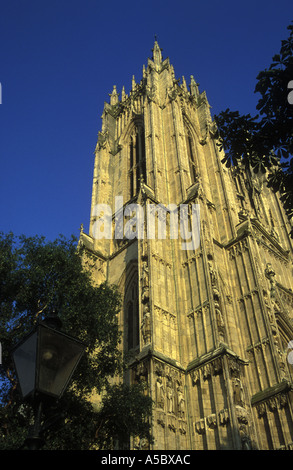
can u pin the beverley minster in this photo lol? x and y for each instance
(202, 256)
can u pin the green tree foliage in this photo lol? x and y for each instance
(265, 141)
(36, 277)
(118, 416)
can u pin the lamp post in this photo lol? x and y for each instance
(44, 361)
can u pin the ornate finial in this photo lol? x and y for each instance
(143, 71)
(133, 82)
(157, 52)
(184, 86)
(193, 86)
(114, 96)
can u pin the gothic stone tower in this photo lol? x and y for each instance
(207, 328)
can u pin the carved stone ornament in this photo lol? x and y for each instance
(212, 421)
(160, 392)
(200, 426)
(242, 414)
(223, 416)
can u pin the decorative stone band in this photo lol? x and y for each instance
(272, 398)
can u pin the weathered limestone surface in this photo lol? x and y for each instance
(207, 328)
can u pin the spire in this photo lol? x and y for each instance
(157, 52)
(143, 71)
(123, 94)
(184, 86)
(114, 97)
(193, 86)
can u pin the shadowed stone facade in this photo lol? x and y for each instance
(207, 328)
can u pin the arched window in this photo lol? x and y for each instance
(131, 324)
(191, 158)
(137, 163)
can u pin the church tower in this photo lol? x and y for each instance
(203, 259)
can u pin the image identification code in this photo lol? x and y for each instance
(151, 459)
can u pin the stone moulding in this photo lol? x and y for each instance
(212, 421)
(283, 387)
(150, 353)
(222, 350)
(254, 228)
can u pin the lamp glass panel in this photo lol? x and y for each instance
(58, 357)
(24, 357)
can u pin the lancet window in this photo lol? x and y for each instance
(191, 157)
(137, 163)
(131, 315)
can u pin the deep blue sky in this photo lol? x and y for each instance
(59, 60)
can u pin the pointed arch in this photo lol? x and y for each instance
(190, 139)
(129, 287)
(137, 161)
(134, 141)
(191, 158)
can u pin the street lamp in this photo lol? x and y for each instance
(44, 361)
